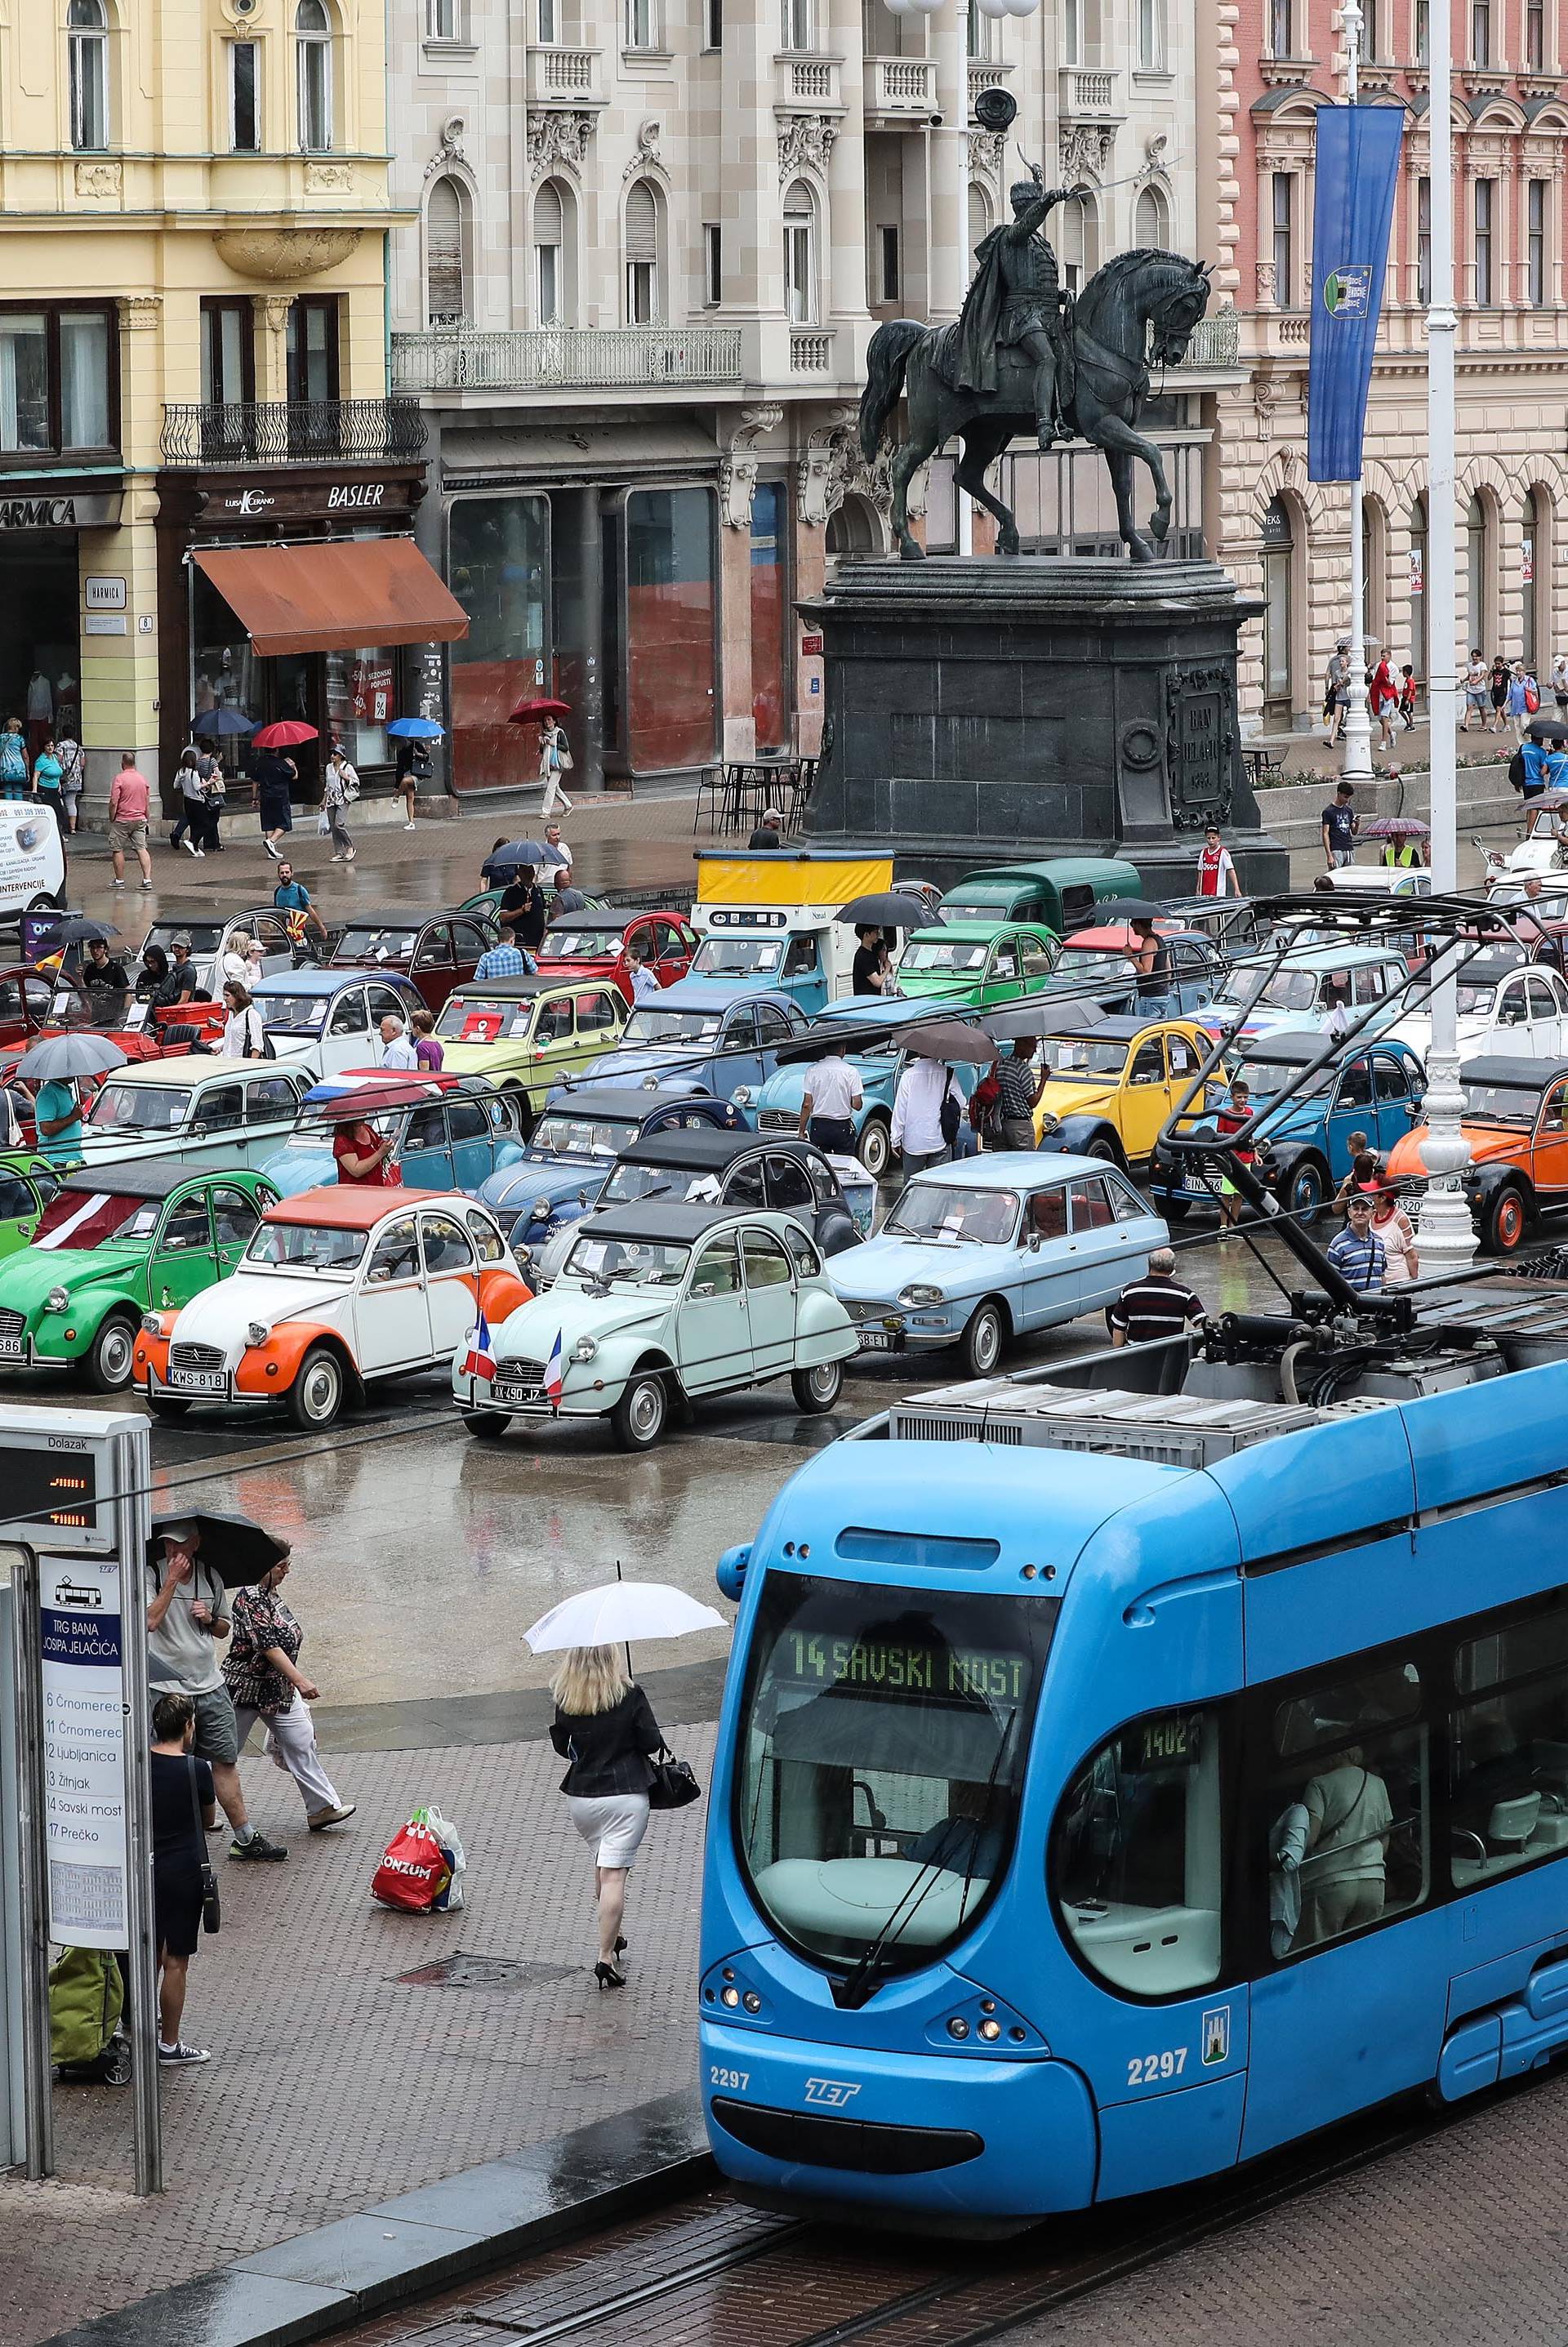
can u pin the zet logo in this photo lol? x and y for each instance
(1347, 293)
(836, 2092)
(1216, 2035)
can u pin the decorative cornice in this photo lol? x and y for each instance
(283, 254)
(557, 140)
(738, 464)
(645, 155)
(831, 467)
(1083, 151)
(806, 139)
(139, 312)
(987, 150)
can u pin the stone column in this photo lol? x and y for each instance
(949, 161)
(272, 344)
(846, 230)
(758, 154)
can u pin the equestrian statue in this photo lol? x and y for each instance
(1025, 356)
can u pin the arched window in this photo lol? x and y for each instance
(1151, 221)
(1418, 590)
(87, 26)
(800, 254)
(643, 289)
(313, 43)
(446, 245)
(550, 256)
(1078, 242)
(1480, 607)
(1373, 584)
(979, 214)
(1279, 556)
(855, 531)
(1535, 579)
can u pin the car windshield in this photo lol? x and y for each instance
(204, 936)
(376, 943)
(882, 1738)
(945, 954)
(1097, 962)
(580, 945)
(564, 1135)
(627, 1263)
(1071, 1058)
(680, 1184)
(726, 956)
(1501, 1104)
(1474, 1001)
(650, 1026)
(72, 1219)
(305, 1246)
(1265, 1077)
(139, 1108)
(102, 1006)
(943, 1214)
(481, 1019)
(293, 1014)
(955, 908)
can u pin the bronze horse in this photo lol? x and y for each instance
(1139, 309)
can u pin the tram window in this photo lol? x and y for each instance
(1509, 1751)
(1348, 1808)
(1539, 1643)
(1136, 1863)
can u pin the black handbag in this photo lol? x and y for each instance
(672, 1783)
(212, 1905)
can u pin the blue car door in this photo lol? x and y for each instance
(741, 1063)
(1394, 1105)
(1351, 1111)
(424, 1157)
(1106, 1250)
(468, 1134)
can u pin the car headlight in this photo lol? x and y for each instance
(742, 1095)
(151, 1326)
(919, 1293)
(650, 1084)
(58, 1299)
(539, 1212)
(256, 1332)
(584, 1349)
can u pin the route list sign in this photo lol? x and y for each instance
(84, 1718)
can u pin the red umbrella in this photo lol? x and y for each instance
(283, 735)
(538, 705)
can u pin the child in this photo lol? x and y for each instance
(1230, 1120)
(1407, 695)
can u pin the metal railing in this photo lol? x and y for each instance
(1214, 342)
(293, 432)
(535, 358)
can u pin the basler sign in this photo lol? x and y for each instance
(263, 502)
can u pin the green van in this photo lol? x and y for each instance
(1061, 892)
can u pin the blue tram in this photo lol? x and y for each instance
(1084, 1824)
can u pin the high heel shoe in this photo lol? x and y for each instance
(607, 1977)
(621, 1947)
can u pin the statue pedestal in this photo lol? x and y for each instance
(997, 710)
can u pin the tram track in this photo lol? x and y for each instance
(707, 2271)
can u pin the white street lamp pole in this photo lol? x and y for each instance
(1357, 739)
(1448, 1236)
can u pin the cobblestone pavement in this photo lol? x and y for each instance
(335, 2081)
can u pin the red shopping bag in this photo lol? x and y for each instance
(414, 1872)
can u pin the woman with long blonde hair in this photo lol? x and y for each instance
(605, 1731)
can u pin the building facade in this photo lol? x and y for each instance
(192, 357)
(1286, 539)
(645, 248)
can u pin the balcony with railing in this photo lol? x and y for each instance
(293, 432)
(1089, 93)
(561, 76)
(548, 358)
(1214, 342)
(811, 350)
(807, 84)
(899, 90)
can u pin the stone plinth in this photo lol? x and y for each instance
(994, 710)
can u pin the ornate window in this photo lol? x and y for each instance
(314, 46)
(1079, 244)
(1151, 220)
(643, 293)
(1480, 31)
(89, 35)
(800, 242)
(244, 98)
(1481, 244)
(549, 255)
(797, 28)
(1481, 613)
(1151, 35)
(446, 248)
(1423, 240)
(1537, 258)
(1282, 217)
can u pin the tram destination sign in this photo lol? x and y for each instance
(906, 1666)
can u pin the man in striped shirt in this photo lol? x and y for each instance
(1357, 1253)
(1155, 1306)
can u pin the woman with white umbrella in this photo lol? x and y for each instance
(605, 1729)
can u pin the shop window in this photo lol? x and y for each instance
(498, 564)
(641, 236)
(447, 240)
(87, 31)
(362, 701)
(1137, 1862)
(769, 599)
(244, 98)
(313, 347)
(57, 380)
(670, 620)
(314, 67)
(1347, 1807)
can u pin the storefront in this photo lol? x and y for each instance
(298, 596)
(50, 534)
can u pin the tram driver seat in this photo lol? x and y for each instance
(1512, 1822)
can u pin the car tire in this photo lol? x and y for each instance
(643, 1413)
(984, 1340)
(111, 1356)
(817, 1390)
(316, 1396)
(875, 1148)
(1505, 1221)
(1104, 1149)
(488, 1425)
(1175, 1206)
(1305, 1190)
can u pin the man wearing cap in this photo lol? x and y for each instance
(767, 832)
(185, 1624)
(183, 971)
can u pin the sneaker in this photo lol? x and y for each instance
(334, 859)
(199, 852)
(257, 1849)
(176, 2056)
(408, 826)
(190, 846)
(272, 851)
(146, 884)
(118, 884)
(319, 1819)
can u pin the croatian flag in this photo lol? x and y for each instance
(479, 1361)
(555, 1373)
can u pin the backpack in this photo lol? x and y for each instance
(1517, 777)
(950, 1115)
(86, 1997)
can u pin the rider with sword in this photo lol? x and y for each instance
(1015, 301)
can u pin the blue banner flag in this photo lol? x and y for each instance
(1357, 169)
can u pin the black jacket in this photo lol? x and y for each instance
(607, 1750)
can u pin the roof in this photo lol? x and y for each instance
(1008, 1169)
(613, 924)
(284, 982)
(1489, 969)
(1344, 957)
(675, 1225)
(614, 1101)
(712, 994)
(351, 1207)
(507, 989)
(1120, 1030)
(404, 917)
(194, 1067)
(687, 1147)
(178, 917)
(134, 1177)
(1514, 1075)
(970, 932)
(1061, 871)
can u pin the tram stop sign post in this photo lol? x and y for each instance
(76, 1517)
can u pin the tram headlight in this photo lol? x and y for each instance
(990, 2030)
(957, 2027)
(730, 1995)
(919, 1293)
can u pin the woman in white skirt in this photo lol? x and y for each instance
(605, 1730)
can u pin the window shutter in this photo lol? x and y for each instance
(979, 215)
(642, 224)
(548, 224)
(443, 254)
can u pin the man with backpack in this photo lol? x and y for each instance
(928, 1110)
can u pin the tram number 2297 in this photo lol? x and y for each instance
(1147, 2069)
(737, 2081)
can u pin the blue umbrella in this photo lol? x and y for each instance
(416, 729)
(223, 720)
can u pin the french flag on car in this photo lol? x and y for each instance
(555, 1372)
(479, 1361)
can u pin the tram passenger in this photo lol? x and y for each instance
(1287, 1848)
(1344, 1870)
(965, 1841)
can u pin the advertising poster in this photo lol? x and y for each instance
(84, 1715)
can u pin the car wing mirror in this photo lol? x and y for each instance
(704, 1291)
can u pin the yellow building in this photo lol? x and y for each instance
(194, 212)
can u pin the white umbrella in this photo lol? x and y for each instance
(59, 1058)
(618, 1613)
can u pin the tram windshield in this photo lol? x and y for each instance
(883, 1739)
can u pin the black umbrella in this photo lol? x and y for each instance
(889, 911)
(1548, 728)
(76, 929)
(515, 853)
(239, 1550)
(949, 1039)
(1123, 908)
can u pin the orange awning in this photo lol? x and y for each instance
(334, 595)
